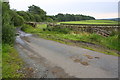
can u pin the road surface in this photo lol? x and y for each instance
(51, 59)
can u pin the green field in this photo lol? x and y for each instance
(91, 22)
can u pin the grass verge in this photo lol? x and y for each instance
(93, 47)
(11, 63)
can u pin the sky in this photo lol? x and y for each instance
(97, 8)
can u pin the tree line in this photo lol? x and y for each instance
(12, 18)
(71, 17)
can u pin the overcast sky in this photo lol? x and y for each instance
(96, 8)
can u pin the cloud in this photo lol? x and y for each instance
(103, 15)
(97, 8)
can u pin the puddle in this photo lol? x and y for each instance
(21, 35)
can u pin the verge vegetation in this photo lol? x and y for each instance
(12, 63)
(67, 36)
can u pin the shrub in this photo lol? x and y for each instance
(113, 42)
(8, 34)
(18, 20)
(49, 19)
(25, 27)
(114, 33)
(95, 38)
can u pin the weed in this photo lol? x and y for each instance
(11, 62)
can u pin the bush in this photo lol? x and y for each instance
(25, 27)
(37, 18)
(18, 20)
(95, 38)
(24, 15)
(113, 42)
(49, 19)
(8, 34)
(114, 33)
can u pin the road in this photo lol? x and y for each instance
(51, 59)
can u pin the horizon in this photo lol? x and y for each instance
(97, 9)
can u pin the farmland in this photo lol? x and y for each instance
(97, 22)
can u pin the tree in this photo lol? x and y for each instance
(37, 11)
(8, 34)
(60, 17)
(8, 30)
(5, 13)
(31, 16)
(17, 20)
(24, 15)
(37, 18)
(71, 17)
(49, 19)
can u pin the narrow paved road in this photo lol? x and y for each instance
(55, 60)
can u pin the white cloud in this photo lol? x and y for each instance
(103, 15)
(70, 6)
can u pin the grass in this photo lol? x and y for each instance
(62, 37)
(110, 42)
(64, 34)
(30, 29)
(91, 22)
(0, 61)
(11, 62)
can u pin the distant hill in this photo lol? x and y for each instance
(114, 19)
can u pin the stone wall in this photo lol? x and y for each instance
(104, 30)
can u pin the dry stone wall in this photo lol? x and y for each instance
(104, 30)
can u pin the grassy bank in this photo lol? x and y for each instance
(66, 36)
(11, 62)
(0, 61)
